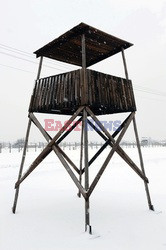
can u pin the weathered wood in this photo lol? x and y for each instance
(119, 150)
(21, 166)
(69, 131)
(40, 67)
(114, 148)
(49, 138)
(86, 165)
(107, 142)
(33, 97)
(26, 139)
(72, 175)
(64, 93)
(81, 157)
(124, 63)
(84, 76)
(47, 149)
(142, 164)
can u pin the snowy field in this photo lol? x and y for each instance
(50, 216)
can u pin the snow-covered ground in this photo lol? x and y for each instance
(50, 216)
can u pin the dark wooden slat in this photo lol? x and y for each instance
(64, 93)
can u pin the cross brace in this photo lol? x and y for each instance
(87, 190)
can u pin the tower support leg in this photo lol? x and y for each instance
(142, 164)
(86, 164)
(81, 158)
(21, 166)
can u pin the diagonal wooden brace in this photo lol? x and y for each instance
(61, 155)
(106, 143)
(47, 149)
(48, 138)
(119, 150)
(113, 150)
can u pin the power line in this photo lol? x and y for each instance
(152, 91)
(16, 68)
(21, 52)
(153, 99)
(27, 60)
(8, 48)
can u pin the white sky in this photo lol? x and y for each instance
(28, 25)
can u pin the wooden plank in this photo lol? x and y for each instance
(124, 95)
(133, 104)
(69, 90)
(40, 93)
(33, 97)
(46, 93)
(54, 94)
(58, 90)
(52, 88)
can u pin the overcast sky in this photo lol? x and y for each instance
(28, 25)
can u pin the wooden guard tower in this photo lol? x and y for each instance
(83, 93)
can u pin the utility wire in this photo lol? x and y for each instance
(150, 91)
(21, 52)
(16, 68)
(27, 60)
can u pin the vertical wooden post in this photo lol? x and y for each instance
(142, 164)
(86, 165)
(81, 157)
(39, 68)
(85, 132)
(25, 147)
(125, 65)
(21, 166)
(84, 80)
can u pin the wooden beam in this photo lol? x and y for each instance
(26, 143)
(84, 80)
(22, 165)
(81, 157)
(69, 131)
(70, 172)
(86, 165)
(47, 149)
(107, 140)
(49, 138)
(142, 164)
(119, 150)
(114, 148)
(124, 64)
